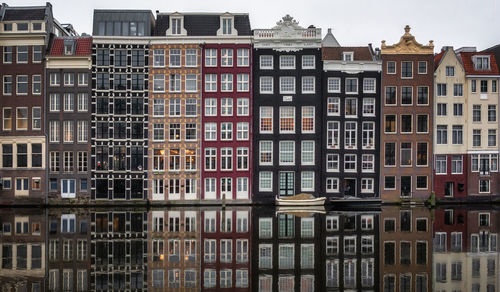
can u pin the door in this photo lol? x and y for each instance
(350, 187)
(405, 186)
(287, 183)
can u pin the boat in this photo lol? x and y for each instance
(300, 200)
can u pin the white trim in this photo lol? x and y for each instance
(352, 67)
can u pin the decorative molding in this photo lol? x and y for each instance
(287, 36)
(407, 45)
(352, 67)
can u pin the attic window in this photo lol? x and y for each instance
(481, 62)
(69, 48)
(37, 26)
(227, 25)
(347, 56)
(7, 26)
(176, 26)
(22, 26)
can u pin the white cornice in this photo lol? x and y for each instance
(482, 76)
(352, 67)
(76, 62)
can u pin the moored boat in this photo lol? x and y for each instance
(300, 200)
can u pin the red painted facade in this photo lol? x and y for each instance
(235, 118)
(451, 220)
(459, 180)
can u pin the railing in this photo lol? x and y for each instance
(308, 33)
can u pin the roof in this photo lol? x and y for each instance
(437, 59)
(469, 65)
(83, 46)
(203, 24)
(329, 40)
(335, 53)
(24, 13)
(495, 50)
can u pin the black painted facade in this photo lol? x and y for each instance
(277, 100)
(350, 182)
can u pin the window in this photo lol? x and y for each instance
(22, 85)
(450, 71)
(54, 131)
(266, 120)
(390, 124)
(484, 86)
(242, 131)
(83, 79)
(226, 107)
(158, 58)
(7, 118)
(390, 183)
(68, 131)
(333, 106)
(492, 113)
(422, 67)
(351, 134)
(367, 162)
(332, 162)
(226, 82)
(265, 152)
(347, 56)
(332, 185)
(484, 186)
(440, 164)
(265, 181)
(351, 85)
(406, 69)
(69, 102)
(333, 85)
(406, 124)
(308, 84)
(458, 89)
(266, 62)
(7, 85)
(175, 83)
(287, 119)
(456, 164)
(68, 190)
(406, 155)
(442, 134)
(82, 100)
(367, 185)
(190, 132)
(390, 154)
(369, 85)
(350, 162)
(476, 138)
(423, 95)
(242, 83)
(227, 25)
(287, 85)
(333, 130)
(266, 84)
(422, 182)
(226, 58)
(210, 57)
(390, 95)
(82, 161)
(368, 107)
(391, 67)
(36, 84)
(7, 55)
(22, 118)
(158, 132)
(307, 153)
(243, 57)
(287, 62)
(68, 161)
(175, 107)
(308, 62)
(492, 137)
(422, 123)
(351, 107)
(82, 131)
(175, 57)
(158, 83)
(476, 113)
(286, 152)
(175, 132)
(406, 95)
(226, 131)
(22, 54)
(226, 160)
(191, 84)
(458, 109)
(308, 119)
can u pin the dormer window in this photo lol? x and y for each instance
(22, 26)
(69, 47)
(227, 25)
(347, 56)
(481, 62)
(176, 26)
(37, 26)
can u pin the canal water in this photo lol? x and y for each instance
(267, 249)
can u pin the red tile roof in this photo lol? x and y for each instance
(83, 46)
(469, 65)
(335, 53)
(437, 59)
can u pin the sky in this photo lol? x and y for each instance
(456, 23)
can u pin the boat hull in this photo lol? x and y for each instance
(308, 202)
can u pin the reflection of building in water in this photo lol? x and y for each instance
(68, 249)
(22, 249)
(351, 250)
(118, 250)
(288, 252)
(405, 249)
(174, 250)
(466, 250)
(225, 236)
